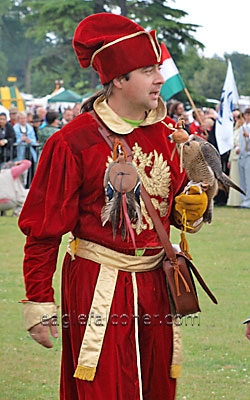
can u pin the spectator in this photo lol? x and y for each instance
(186, 120)
(13, 115)
(67, 116)
(12, 191)
(234, 197)
(207, 125)
(7, 140)
(196, 127)
(41, 112)
(53, 124)
(29, 117)
(36, 123)
(236, 115)
(244, 159)
(76, 109)
(25, 138)
(176, 110)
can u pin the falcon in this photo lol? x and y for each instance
(202, 163)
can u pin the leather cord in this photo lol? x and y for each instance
(109, 137)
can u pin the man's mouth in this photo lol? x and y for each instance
(155, 93)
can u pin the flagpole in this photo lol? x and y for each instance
(194, 108)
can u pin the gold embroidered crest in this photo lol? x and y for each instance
(154, 173)
(156, 181)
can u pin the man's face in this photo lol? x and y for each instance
(76, 110)
(247, 117)
(3, 121)
(22, 119)
(35, 124)
(141, 92)
(13, 116)
(180, 109)
(68, 115)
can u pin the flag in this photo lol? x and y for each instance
(224, 121)
(173, 82)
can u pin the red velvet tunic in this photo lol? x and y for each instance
(66, 195)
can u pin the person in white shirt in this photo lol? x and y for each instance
(244, 159)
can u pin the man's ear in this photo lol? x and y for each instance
(118, 81)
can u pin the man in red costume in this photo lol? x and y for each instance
(116, 327)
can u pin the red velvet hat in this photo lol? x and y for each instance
(114, 45)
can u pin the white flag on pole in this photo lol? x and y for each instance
(224, 122)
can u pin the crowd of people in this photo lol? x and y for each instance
(24, 130)
(22, 137)
(236, 162)
(24, 134)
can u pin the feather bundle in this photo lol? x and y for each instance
(122, 190)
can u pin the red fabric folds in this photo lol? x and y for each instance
(67, 195)
(117, 375)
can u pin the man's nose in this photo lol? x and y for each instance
(160, 79)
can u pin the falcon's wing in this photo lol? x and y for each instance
(213, 159)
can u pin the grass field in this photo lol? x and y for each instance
(216, 353)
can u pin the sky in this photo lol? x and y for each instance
(225, 24)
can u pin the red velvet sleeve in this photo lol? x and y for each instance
(50, 210)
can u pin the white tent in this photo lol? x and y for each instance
(4, 110)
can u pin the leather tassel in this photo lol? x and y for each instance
(184, 246)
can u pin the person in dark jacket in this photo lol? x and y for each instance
(7, 139)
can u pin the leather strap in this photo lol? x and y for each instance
(109, 137)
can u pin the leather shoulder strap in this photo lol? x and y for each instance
(109, 137)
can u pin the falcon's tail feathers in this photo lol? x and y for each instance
(227, 181)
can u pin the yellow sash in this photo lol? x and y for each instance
(110, 263)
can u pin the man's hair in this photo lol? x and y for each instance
(173, 108)
(247, 110)
(67, 109)
(106, 91)
(2, 114)
(51, 116)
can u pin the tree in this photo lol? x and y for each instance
(54, 23)
(36, 45)
(241, 68)
(209, 78)
(4, 69)
(17, 49)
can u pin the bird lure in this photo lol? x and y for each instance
(122, 190)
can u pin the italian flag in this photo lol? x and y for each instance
(173, 82)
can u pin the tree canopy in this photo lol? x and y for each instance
(36, 45)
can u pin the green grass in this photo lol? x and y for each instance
(28, 371)
(216, 353)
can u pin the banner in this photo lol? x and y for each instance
(224, 121)
(173, 82)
